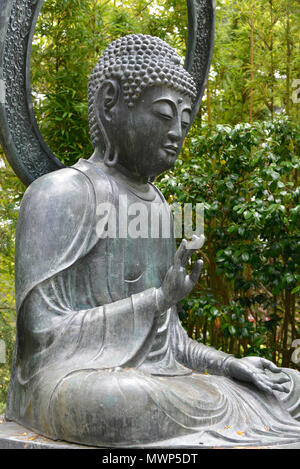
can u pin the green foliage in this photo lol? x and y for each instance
(11, 191)
(246, 177)
(7, 334)
(276, 57)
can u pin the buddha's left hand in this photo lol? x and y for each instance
(258, 371)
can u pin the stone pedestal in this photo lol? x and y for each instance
(14, 436)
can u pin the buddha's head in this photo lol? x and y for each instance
(140, 104)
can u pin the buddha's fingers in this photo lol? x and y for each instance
(183, 254)
(280, 387)
(192, 246)
(279, 379)
(270, 366)
(196, 243)
(194, 275)
(273, 384)
(180, 254)
(187, 255)
(181, 274)
(262, 385)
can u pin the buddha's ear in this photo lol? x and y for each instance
(106, 99)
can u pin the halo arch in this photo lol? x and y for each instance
(20, 136)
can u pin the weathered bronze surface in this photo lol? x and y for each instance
(101, 357)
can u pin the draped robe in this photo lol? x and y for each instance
(95, 362)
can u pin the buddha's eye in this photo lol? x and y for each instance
(185, 119)
(163, 109)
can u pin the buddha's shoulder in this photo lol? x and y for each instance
(70, 184)
(62, 183)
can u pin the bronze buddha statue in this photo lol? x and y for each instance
(101, 357)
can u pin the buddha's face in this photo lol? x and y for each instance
(149, 136)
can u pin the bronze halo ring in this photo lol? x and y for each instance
(20, 136)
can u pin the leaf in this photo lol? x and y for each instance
(247, 215)
(32, 438)
(245, 256)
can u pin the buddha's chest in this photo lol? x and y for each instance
(136, 248)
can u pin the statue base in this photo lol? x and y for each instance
(15, 436)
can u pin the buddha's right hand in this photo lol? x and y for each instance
(177, 284)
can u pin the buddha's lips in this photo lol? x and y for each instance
(171, 149)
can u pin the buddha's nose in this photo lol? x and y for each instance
(175, 134)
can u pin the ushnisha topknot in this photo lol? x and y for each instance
(138, 61)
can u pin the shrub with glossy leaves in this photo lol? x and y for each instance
(246, 177)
